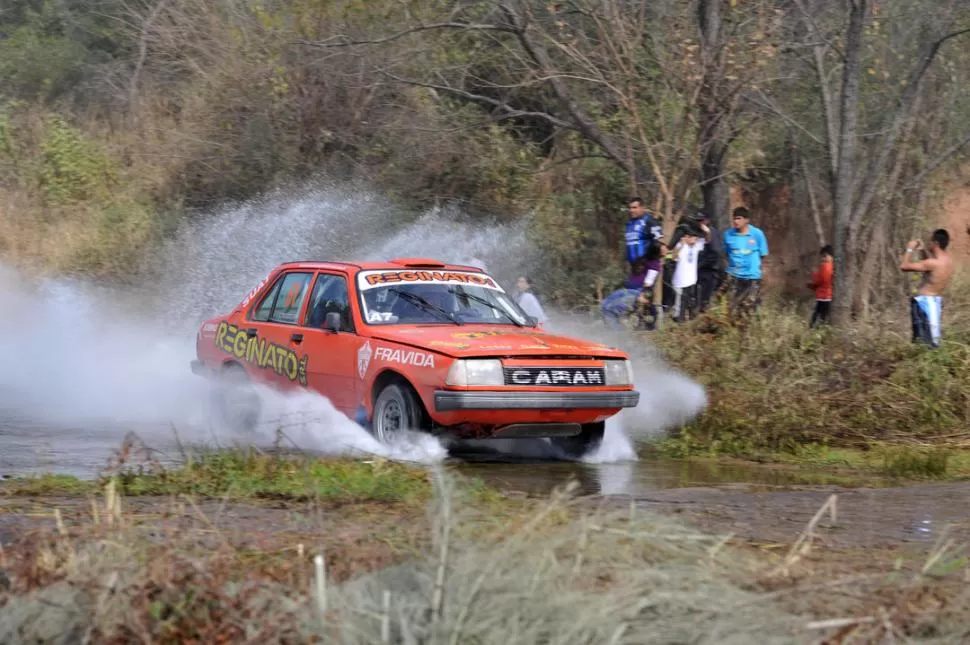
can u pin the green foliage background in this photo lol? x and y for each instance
(118, 117)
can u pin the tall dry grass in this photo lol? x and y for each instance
(566, 573)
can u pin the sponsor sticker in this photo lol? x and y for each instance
(364, 355)
(404, 356)
(533, 376)
(257, 351)
(252, 294)
(448, 343)
(382, 278)
(497, 332)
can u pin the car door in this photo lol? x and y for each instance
(273, 326)
(332, 368)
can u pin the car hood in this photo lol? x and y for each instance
(487, 340)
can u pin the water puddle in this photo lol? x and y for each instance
(638, 478)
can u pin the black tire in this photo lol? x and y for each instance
(396, 409)
(585, 442)
(236, 401)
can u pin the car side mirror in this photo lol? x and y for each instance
(332, 322)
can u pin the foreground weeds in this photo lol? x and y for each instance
(247, 474)
(781, 387)
(560, 572)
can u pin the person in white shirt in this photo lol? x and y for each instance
(528, 301)
(684, 281)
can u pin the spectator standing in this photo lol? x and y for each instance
(642, 231)
(745, 245)
(687, 252)
(528, 300)
(709, 268)
(926, 305)
(822, 284)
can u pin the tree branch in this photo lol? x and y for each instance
(581, 121)
(509, 112)
(906, 101)
(818, 59)
(142, 53)
(938, 161)
(768, 103)
(343, 40)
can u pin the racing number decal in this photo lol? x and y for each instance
(256, 351)
(293, 295)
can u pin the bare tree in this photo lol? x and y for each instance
(653, 87)
(859, 160)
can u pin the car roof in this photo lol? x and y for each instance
(396, 264)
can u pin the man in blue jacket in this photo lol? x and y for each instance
(642, 231)
(745, 245)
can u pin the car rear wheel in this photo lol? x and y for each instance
(237, 403)
(583, 443)
(395, 410)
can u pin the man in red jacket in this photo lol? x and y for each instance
(822, 283)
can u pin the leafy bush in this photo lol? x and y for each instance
(782, 386)
(73, 169)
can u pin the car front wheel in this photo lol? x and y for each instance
(395, 411)
(588, 440)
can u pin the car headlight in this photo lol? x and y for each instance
(465, 372)
(619, 372)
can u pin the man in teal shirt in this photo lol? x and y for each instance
(744, 245)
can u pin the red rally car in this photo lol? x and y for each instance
(413, 344)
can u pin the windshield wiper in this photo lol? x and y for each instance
(424, 304)
(471, 296)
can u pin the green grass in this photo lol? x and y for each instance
(46, 484)
(238, 475)
(783, 388)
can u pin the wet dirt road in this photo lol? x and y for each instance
(753, 502)
(762, 504)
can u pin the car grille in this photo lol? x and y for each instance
(555, 376)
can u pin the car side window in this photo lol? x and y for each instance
(329, 295)
(285, 299)
(265, 308)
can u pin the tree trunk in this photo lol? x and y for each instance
(714, 187)
(843, 238)
(712, 140)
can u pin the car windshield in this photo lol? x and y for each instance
(444, 298)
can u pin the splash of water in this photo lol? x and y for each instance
(668, 398)
(84, 355)
(213, 261)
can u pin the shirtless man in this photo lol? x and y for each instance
(926, 305)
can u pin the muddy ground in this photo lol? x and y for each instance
(898, 522)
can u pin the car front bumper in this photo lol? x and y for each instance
(448, 400)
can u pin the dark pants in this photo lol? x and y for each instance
(744, 296)
(707, 282)
(821, 313)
